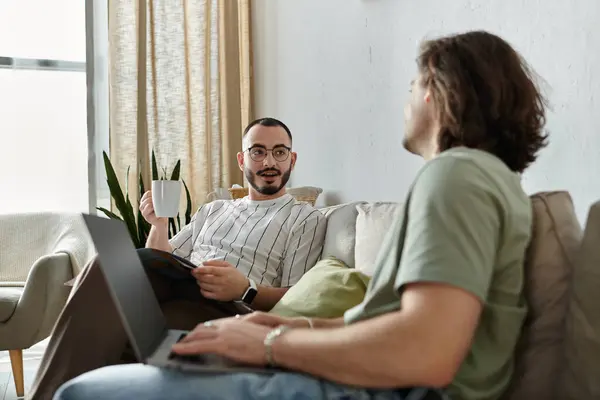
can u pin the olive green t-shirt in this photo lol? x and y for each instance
(466, 222)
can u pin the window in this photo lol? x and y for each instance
(44, 136)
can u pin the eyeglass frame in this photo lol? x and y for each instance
(289, 149)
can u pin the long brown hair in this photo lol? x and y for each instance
(486, 97)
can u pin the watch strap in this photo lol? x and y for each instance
(250, 293)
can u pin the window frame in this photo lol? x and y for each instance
(95, 67)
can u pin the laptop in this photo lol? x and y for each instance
(138, 308)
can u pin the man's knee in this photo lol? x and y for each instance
(91, 270)
(74, 389)
(66, 392)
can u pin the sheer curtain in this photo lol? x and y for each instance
(180, 84)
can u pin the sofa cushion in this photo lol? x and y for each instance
(582, 345)
(326, 291)
(9, 298)
(372, 224)
(550, 261)
(341, 232)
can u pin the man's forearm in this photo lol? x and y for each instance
(384, 352)
(267, 297)
(323, 323)
(158, 238)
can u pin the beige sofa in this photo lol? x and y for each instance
(559, 353)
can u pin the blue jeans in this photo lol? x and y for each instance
(143, 382)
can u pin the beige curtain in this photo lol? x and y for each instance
(180, 84)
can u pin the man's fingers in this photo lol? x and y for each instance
(216, 263)
(207, 270)
(201, 332)
(197, 346)
(209, 295)
(210, 279)
(147, 196)
(210, 288)
(146, 207)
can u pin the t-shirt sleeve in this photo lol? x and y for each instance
(183, 241)
(453, 228)
(303, 247)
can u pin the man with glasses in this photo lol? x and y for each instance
(250, 251)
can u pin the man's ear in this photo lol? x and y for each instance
(427, 97)
(294, 158)
(240, 159)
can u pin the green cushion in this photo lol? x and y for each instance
(326, 291)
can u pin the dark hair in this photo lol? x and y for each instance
(486, 97)
(268, 121)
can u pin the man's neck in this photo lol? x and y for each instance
(429, 149)
(256, 196)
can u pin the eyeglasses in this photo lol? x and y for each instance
(259, 153)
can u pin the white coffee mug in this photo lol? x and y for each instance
(165, 197)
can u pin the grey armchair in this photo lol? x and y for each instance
(38, 254)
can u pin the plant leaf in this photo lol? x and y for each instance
(188, 207)
(176, 171)
(142, 225)
(154, 167)
(117, 195)
(127, 184)
(172, 227)
(127, 200)
(109, 214)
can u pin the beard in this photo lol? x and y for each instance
(268, 189)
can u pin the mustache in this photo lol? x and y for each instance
(264, 171)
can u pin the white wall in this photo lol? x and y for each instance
(338, 72)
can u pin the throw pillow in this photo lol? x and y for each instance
(326, 291)
(373, 222)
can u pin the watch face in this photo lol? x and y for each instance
(249, 296)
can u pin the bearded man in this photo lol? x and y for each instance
(248, 253)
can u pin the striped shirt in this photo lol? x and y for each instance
(274, 242)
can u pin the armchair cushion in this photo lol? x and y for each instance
(42, 300)
(9, 297)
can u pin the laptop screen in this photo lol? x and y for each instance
(128, 284)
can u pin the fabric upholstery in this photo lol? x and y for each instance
(341, 232)
(25, 237)
(326, 291)
(548, 270)
(581, 365)
(42, 299)
(9, 297)
(372, 225)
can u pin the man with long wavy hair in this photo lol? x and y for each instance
(445, 306)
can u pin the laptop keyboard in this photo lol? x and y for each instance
(186, 357)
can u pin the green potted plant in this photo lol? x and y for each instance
(136, 224)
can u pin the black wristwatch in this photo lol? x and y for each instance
(250, 293)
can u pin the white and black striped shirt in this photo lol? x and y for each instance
(274, 242)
